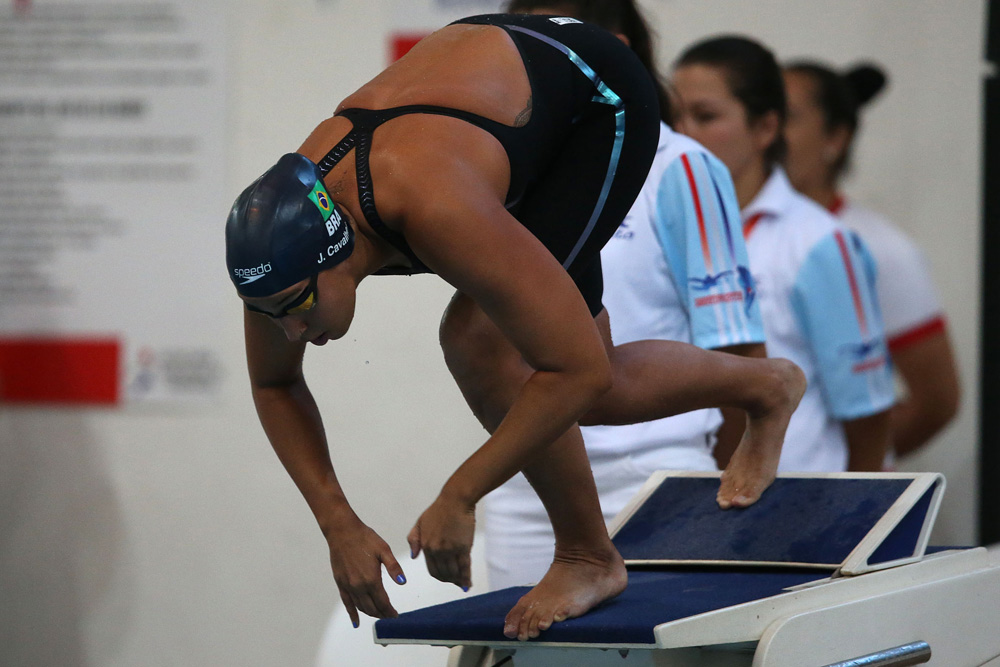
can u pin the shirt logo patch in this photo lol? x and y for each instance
(709, 281)
(714, 299)
(623, 231)
(748, 285)
(866, 355)
(564, 20)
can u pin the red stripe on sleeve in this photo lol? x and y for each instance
(60, 370)
(859, 309)
(917, 334)
(705, 250)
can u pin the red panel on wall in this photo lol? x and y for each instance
(401, 43)
(60, 370)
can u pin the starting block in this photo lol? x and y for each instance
(824, 570)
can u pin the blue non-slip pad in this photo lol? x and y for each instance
(652, 598)
(815, 521)
(902, 541)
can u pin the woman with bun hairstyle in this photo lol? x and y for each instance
(823, 118)
(815, 279)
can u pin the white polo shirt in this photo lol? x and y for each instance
(676, 269)
(816, 283)
(909, 302)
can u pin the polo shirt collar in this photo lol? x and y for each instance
(773, 199)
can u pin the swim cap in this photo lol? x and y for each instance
(284, 228)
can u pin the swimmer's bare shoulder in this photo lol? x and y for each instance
(474, 68)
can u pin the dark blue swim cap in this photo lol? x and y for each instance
(284, 228)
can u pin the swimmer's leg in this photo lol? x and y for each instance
(586, 568)
(657, 378)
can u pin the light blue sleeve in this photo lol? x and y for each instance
(700, 230)
(834, 302)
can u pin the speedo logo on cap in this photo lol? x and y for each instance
(252, 274)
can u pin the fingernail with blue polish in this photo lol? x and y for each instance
(465, 589)
(400, 579)
(355, 624)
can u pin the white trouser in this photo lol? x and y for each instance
(519, 538)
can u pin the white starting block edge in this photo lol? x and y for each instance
(748, 622)
(857, 562)
(947, 600)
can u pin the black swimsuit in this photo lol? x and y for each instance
(578, 163)
(365, 121)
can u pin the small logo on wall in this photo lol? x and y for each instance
(174, 373)
(144, 379)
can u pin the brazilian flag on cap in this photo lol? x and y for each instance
(321, 198)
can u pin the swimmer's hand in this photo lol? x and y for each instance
(444, 532)
(357, 555)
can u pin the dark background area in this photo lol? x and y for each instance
(989, 503)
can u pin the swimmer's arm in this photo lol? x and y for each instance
(466, 236)
(293, 424)
(290, 418)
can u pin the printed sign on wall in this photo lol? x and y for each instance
(111, 148)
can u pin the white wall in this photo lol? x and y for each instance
(175, 538)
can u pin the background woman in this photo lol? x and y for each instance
(823, 117)
(814, 278)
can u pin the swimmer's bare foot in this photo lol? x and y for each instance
(574, 584)
(754, 464)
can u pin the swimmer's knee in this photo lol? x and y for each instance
(488, 369)
(466, 335)
(603, 323)
(596, 416)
